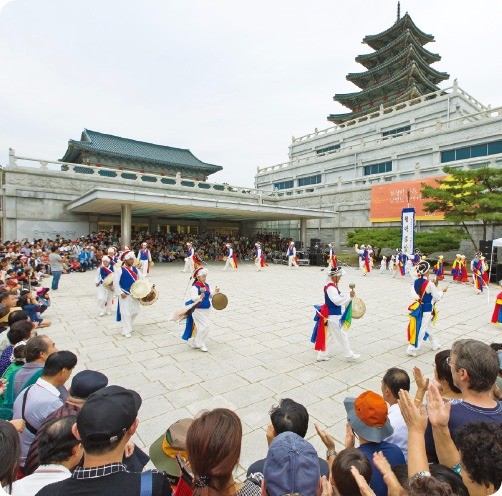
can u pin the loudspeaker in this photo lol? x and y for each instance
(298, 245)
(317, 259)
(485, 247)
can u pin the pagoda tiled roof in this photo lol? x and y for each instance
(373, 59)
(107, 145)
(377, 41)
(412, 92)
(408, 76)
(386, 70)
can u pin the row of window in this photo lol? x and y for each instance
(302, 181)
(397, 131)
(473, 151)
(379, 168)
(284, 184)
(327, 149)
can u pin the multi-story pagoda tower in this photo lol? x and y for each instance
(398, 69)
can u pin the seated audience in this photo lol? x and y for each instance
(105, 425)
(38, 401)
(19, 332)
(288, 416)
(394, 380)
(444, 377)
(9, 456)
(341, 478)
(213, 448)
(59, 451)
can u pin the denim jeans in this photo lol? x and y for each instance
(56, 274)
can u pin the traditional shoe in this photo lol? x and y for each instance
(203, 348)
(353, 357)
(128, 335)
(323, 358)
(102, 313)
(411, 353)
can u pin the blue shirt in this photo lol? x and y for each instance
(394, 456)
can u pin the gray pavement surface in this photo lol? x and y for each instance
(259, 346)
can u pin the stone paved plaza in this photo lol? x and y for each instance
(259, 346)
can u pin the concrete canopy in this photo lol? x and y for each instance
(109, 202)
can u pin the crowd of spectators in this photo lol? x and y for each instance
(77, 441)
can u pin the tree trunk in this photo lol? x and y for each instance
(484, 230)
(470, 236)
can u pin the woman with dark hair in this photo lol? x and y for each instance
(10, 451)
(444, 378)
(20, 331)
(214, 447)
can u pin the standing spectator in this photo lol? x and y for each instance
(56, 262)
(38, 401)
(474, 367)
(59, 452)
(105, 424)
(394, 380)
(9, 456)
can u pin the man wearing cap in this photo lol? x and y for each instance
(197, 322)
(105, 293)
(145, 259)
(105, 424)
(124, 277)
(292, 260)
(167, 446)
(367, 417)
(83, 384)
(291, 467)
(422, 311)
(328, 326)
(231, 258)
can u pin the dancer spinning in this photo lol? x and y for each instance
(332, 257)
(329, 320)
(364, 258)
(124, 277)
(198, 323)
(259, 259)
(105, 293)
(422, 311)
(145, 259)
(231, 258)
(292, 259)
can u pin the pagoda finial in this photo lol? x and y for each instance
(398, 10)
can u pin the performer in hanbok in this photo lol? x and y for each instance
(189, 259)
(259, 258)
(392, 265)
(113, 256)
(330, 319)
(456, 268)
(371, 255)
(198, 322)
(497, 311)
(383, 265)
(332, 257)
(124, 277)
(478, 269)
(231, 258)
(105, 293)
(486, 272)
(439, 268)
(422, 311)
(145, 259)
(292, 259)
(464, 278)
(364, 258)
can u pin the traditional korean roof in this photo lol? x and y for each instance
(398, 70)
(106, 145)
(377, 41)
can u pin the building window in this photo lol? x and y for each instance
(284, 184)
(327, 149)
(397, 132)
(379, 168)
(307, 181)
(473, 151)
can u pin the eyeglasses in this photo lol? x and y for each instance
(450, 362)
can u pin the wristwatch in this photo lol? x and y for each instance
(330, 453)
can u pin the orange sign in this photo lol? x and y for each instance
(387, 200)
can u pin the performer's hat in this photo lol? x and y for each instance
(440, 256)
(478, 254)
(105, 258)
(458, 255)
(398, 249)
(336, 271)
(462, 256)
(417, 251)
(369, 246)
(291, 242)
(384, 258)
(423, 267)
(257, 244)
(330, 245)
(127, 255)
(144, 244)
(111, 249)
(228, 244)
(363, 246)
(201, 271)
(188, 243)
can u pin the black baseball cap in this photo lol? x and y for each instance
(107, 415)
(87, 382)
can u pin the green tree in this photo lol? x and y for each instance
(428, 241)
(467, 195)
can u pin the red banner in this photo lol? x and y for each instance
(388, 200)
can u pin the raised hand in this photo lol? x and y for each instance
(439, 410)
(415, 419)
(363, 486)
(421, 382)
(328, 441)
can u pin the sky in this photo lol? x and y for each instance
(232, 81)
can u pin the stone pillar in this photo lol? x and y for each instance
(153, 225)
(125, 224)
(202, 226)
(303, 233)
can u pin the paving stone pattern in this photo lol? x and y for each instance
(259, 346)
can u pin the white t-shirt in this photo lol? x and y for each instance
(43, 476)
